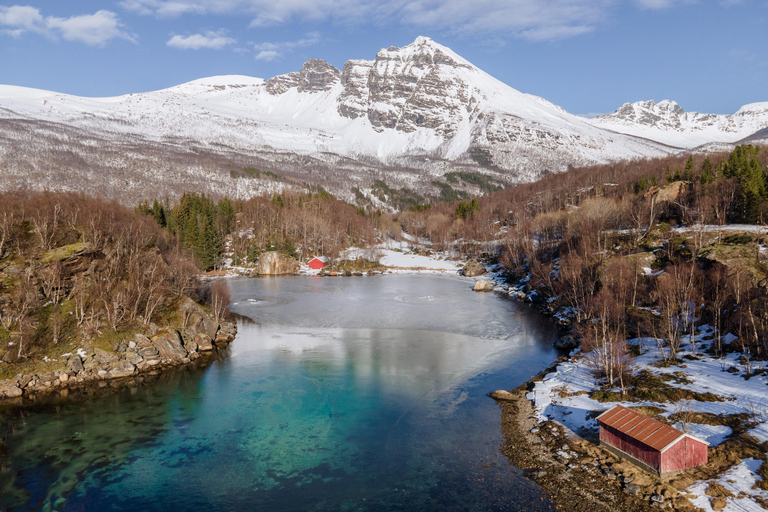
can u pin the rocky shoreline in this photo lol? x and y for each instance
(575, 473)
(148, 353)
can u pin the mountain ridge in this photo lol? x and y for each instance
(409, 116)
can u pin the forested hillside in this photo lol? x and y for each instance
(645, 248)
(299, 225)
(77, 270)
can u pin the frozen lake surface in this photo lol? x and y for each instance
(342, 394)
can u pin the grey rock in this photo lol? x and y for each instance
(632, 489)
(198, 319)
(567, 342)
(169, 346)
(10, 389)
(24, 380)
(75, 363)
(148, 352)
(121, 369)
(103, 357)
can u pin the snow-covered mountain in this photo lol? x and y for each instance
(408, 117)
(667, 122)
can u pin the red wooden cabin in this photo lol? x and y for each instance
(650, 443)
(318, 262)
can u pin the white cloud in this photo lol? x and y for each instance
(662, 4)
(271, 51)
(92, 29)
(267, 55)
(530, 19)
(23, 17)
(163, 8)
(211, 40)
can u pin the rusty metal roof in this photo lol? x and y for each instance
(647, 430)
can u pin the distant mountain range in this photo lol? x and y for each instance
(409, 118)
(668, 123)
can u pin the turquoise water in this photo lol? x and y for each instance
(343, 394)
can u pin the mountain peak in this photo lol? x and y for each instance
(316, 75)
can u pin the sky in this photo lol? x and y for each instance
(588, 56)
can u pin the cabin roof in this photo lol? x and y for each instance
(648, 431)
(320, 258)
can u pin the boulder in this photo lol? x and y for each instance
(668, 193)
(168, 345)
(473, 268)
(10, 389)
(121, 369)
(103, 357)
(483, 286)
(501, 394)
(198, 319)
(567, 342)
(75, 363)
(272, 263)
(204, 343)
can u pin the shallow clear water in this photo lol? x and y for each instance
(345, 394)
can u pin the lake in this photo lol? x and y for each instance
(339, 394)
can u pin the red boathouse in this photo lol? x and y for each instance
(318, 262)
(649, 443)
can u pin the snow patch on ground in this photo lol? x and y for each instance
(740, 481)
(563, 396)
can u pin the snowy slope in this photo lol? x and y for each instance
(667, 122)
(419, 101)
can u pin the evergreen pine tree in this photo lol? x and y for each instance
(707, 172)
(688, 171)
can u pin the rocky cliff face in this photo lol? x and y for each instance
(407, 88)
(315, 76)
(273, 263)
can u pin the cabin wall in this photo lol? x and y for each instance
(316, 264)
(630, 446)
(686, 453)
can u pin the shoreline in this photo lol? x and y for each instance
(571, 470)
(134, 360)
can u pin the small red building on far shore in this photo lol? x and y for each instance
(318, 262)
(649, 443)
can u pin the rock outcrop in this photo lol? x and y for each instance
(132, 357)
(273, 263)
(315, 76)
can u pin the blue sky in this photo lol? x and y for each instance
(588, 56)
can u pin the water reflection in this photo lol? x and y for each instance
(347, 394)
